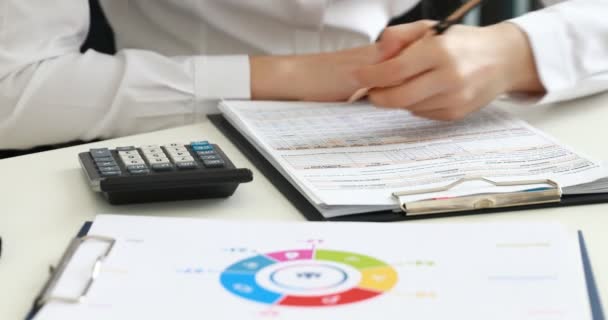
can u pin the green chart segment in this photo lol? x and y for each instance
(297, 275)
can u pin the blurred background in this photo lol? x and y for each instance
(100, 36)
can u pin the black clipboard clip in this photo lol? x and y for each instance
(551, 193)
(46, 294)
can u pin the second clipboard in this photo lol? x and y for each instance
(312, 214)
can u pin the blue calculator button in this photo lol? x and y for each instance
(207, 147)
(199, 143)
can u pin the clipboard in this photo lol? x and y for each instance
(45, 296)
(541, 199)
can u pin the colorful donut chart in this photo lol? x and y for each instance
(308, 278)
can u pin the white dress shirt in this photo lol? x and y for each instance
(178, 57)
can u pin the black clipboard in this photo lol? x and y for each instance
(312, 214)
(595, 303)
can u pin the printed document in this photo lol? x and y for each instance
(349, 158)
(173, 268)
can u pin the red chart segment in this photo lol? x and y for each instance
(350, 296)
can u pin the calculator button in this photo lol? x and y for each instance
(180, 154)
(158, 160)
(100, 153)
(103, 159)
(127, 148)
(207, 147)
(162, 166)
(106, 164)
(218, 163)
(109, 169)
(199, 143)
(139, 171)
(172, 150)
(183, 159)
(132, 157)
(186, 165)
(134, 162)
(110, 173)
(153, 151)
(131, 168)
(210, 157)
(206, 152)
(155, 156)
(174, 145)
(150, 146)
(128, 153)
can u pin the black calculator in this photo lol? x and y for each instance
(162, 173)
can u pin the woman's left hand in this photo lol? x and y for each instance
(446, 77)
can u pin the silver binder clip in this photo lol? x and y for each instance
(551, 193)
(46, 294)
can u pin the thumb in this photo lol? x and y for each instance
(395, 39)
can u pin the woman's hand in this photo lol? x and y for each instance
(314, 77)
(448, 76)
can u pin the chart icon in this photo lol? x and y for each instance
(309, 278)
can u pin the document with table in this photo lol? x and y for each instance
(347, 159)
(130, 267)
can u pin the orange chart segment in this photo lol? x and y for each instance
(378, 279)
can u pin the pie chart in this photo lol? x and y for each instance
(308, 278)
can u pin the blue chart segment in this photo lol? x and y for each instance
(239, 279)
(308, 278)
(245, 286)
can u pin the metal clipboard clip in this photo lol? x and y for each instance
(552, 193)
(46, 296)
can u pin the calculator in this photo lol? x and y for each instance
(150, 173)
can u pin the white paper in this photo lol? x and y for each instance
(166, 268)
(358, 155)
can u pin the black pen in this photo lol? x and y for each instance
(439, 28)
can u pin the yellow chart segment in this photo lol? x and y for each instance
(378, 279)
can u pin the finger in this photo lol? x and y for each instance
(411, 92)
(444, 114)
(394, 39)
(439, 101)
(416, 59)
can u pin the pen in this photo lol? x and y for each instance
(437, 29)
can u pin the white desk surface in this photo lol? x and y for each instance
(45, 199)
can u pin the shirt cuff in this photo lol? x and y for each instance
(222, 77)
(547, 35)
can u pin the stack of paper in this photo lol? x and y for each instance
(350, 159)
(163, 268)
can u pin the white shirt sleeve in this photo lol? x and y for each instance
(570, 45)
(51, 93)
